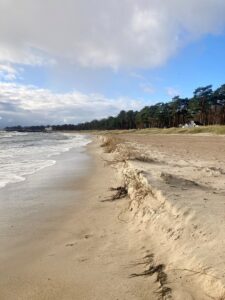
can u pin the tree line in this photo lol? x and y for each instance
(206, 107)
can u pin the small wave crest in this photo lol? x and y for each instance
(23, 154)
(6, 134)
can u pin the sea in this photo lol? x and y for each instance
(25, 153)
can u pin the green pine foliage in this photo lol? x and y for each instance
(206, 107)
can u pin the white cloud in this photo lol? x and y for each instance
(112, 33)
(7, 72)
(27, 104)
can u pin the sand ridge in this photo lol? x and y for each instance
(178, 202)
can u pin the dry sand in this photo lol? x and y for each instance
(177, 187)
(164, 241)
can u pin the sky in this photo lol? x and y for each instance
(70, 61)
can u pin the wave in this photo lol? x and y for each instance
(6, 134)
(24, 154)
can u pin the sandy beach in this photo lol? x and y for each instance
(177, 188)
(80, 251)
(162, 239)
(112, 150)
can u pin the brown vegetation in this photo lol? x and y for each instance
(110, 143)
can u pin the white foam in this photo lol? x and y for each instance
(24, 154)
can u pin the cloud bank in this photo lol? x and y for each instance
(25, 105)
(100, 33)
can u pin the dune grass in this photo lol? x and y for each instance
(214, 129)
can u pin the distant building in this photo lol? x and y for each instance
(48, 129)
(191, 124)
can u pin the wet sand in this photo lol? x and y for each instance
(78, 249)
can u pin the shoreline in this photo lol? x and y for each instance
(32, 213)
(130, 248)
(82, 255)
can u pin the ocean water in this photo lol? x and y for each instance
(22, 154)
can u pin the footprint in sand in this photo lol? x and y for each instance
(82, 259)
(87, 236)
(70, 245)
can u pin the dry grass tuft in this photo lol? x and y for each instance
(110, 144)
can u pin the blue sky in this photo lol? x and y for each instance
(77, 64)
(199, 63)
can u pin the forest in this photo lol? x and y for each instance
(206, 107)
